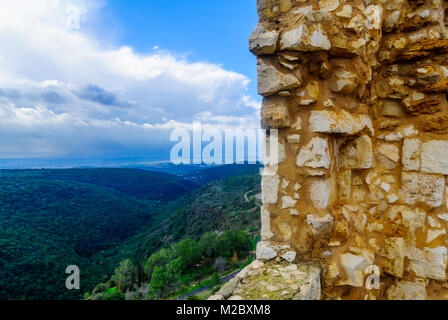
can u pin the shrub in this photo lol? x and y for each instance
(114, 296)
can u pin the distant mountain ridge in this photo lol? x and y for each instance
(141, 184)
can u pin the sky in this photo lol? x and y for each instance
(107, 79)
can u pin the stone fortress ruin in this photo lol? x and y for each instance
(357, 207)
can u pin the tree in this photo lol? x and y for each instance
(207, 244)
(159, 281)
(125, 275)
(220, 264)
(158, 259)
(174, 272)
(189, 251)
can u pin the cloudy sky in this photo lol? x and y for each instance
(120, 83)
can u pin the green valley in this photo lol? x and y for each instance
(106, 220)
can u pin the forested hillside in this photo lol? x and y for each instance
(46, 225)
(95, 218)
(141, 184)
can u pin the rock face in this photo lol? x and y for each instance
(262, 41)
(358, 92)
(274, 281)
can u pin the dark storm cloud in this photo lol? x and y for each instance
(99, 95)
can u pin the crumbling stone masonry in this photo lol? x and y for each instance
(357, 90)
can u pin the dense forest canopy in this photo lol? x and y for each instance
(97, 218)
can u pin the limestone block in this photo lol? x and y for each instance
(422, 188)
(389, 151)
(406, 290)
(275, 152)
(391, 20)
(344, 182)
(392, 108)
(271, 80)
(298, 125)
(435, 157)
(411, 218)
(393, 256)
(333, 271)
(328, 5)
(262, 41)
(343, 82)
(267, 250)
(321, 226)
(316, 154)
(288, 202)
(357, 24)
(354, 267)
(428, 263)
(294, 138)
(411, 154)
(433, 234)
(266, 233)
(356, 154)
(270, 8)
(305, 39)
(311, 288)
(289, 256)
(274, 113)
(320, 193)
(326, 121)
(374, 15)
(285, 230)
(269, 188)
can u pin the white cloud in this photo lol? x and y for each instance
(65, 91)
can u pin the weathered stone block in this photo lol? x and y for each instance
(267, 250)
(294, 138)
(316, 154)
(411, 154)
(269, 188)
(435, 157)
(422, 188)
(356, 154)
(344, 182)
(270, 8)
(321, 226)
(320, 193)
(325, 121)
(262, 41)
(389, 151)
(266, 233)
(343, 82)
(406, 290)
(271, 80)
(288, 202)
(274, 153)
(393, 256)
(428, 263)
(328, 5)
(285, 230)
(392, 108)
(305, 39)
(354, 268)
(413, 219)
(274, 113)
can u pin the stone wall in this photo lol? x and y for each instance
(357, 90)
